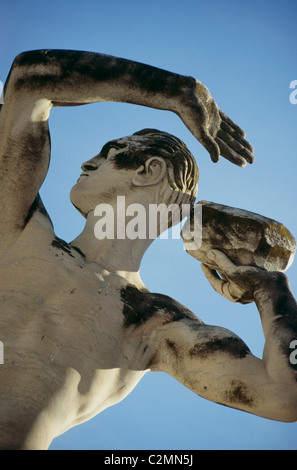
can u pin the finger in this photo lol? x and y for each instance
(230, 154)
(222, 261)
(228, 130)
(231, 123)
(235, 145)
(211, 146)
(219, 285)
(213, 278)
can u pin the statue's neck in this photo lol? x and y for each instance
(113, 250)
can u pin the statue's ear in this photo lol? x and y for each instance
(152, 172)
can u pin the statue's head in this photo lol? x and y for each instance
(149, 162)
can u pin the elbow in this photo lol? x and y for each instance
(285, 410)
(289, 413)
(28, 69)
(18, 70)
(29, 58)
(25, 63)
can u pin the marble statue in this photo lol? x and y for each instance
(78, 326)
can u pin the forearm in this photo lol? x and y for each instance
(278, 310)
(275, 301)
(75, 77)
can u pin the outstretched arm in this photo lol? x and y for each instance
(217, 365)
(75, 77)
(39, 80)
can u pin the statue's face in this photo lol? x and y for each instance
(112, 172)
(100, 182)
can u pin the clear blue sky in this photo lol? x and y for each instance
(245, 53)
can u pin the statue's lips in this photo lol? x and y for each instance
(81, 176)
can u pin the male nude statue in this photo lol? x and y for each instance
(78, 325)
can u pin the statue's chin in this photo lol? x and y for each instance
(75, 202)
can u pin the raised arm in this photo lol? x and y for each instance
(39, 80)
(217, 365)
(75, 77)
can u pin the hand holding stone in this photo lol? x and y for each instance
(236, 283)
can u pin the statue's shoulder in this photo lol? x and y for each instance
(142, 306)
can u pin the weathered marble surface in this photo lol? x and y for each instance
(249, 239)
(78, 325)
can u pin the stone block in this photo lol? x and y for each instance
(247, 238)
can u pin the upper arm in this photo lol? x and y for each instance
(217, 365)
(182, 343)
(24, 151)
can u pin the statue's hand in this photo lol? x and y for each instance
(236, 283)
(213, 128)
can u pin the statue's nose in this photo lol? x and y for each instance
(89, 165)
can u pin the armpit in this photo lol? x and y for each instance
(142, 306)
(37, 206)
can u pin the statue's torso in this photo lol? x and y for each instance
(67, 344)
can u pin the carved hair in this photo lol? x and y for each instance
(182, 169)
